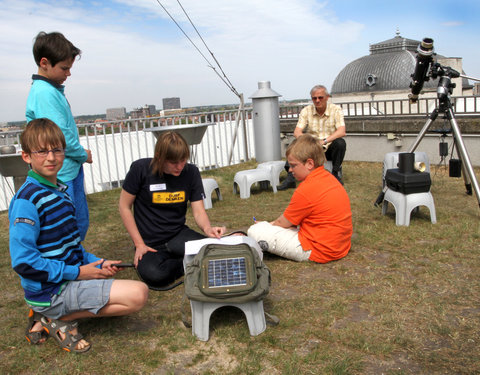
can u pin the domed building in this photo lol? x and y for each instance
(386, 73)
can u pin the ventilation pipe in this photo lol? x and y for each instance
(266, 123)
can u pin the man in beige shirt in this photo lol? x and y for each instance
(325, 121)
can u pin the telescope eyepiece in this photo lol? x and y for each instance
(425, 48)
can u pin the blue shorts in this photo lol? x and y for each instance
(79, 295)
(76, 190)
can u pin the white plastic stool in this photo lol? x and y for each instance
(276, 167)
(244, 180)
(210, 185)
(405, 203)
(201, 312)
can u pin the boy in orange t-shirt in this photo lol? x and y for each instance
(317, 224)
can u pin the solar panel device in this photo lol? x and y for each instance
(224, 275)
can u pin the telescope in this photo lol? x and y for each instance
(425, 54)
(426, 68)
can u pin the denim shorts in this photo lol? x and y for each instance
(79, 295)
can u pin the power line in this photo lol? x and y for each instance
(208, 49)
(224, 78)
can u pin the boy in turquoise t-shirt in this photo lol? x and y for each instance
(54, 56)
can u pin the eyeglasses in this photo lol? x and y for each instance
(44, 153)
(317, 97)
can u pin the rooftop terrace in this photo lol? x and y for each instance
(403, 301)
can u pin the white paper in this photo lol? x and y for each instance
(193, 247)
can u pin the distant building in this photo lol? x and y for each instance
(171, 112)
(476, 89)
(385, 73)
(141, 112)
(171, 103)
(153, 109)
(116, 113)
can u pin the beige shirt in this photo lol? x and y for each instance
(321, 126)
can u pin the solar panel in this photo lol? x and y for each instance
(227, 272)
(224, 274)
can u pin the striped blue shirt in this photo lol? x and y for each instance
(45, 243)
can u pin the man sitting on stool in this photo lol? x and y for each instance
(324, 121)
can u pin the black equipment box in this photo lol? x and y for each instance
(408, 183)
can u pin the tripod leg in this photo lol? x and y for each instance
(463, 154)
(466, 177)
(431, 118)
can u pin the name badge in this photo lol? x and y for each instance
(168, 197)
(158, 187)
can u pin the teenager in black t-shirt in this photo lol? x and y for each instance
(158, 189)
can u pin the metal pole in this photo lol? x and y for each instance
(464, 154)
(237, 122)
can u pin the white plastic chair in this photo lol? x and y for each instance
(276, 167)
(201, 312)
(244, 180)
(209, 186)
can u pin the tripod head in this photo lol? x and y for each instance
(445, 85)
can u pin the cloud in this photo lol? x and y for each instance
(133, 54)
(452, 23)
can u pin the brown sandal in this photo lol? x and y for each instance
(70, 341)
(35, 337)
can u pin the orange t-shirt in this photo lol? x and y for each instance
(320, 205)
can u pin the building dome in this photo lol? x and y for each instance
(388, 67)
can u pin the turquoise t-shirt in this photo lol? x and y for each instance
(47, 100)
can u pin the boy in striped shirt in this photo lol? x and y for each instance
(62, 282)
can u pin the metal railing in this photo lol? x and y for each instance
(463, 105)
(116, 144)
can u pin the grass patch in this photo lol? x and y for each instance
(404, 301)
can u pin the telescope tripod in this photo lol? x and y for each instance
(445, 106)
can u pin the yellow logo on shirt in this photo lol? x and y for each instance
(168, 197)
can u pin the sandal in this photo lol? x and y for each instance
(69, 342)
(35, 337)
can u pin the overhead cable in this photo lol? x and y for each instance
(224, 78)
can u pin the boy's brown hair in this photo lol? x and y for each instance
(41, 133)
(170, 147)
(307, 147)
(54, 47)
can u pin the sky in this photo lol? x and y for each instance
(134, 54)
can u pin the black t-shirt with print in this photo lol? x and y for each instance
(160, 205)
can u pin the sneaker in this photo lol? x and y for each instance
(263, 245)
(288, 183)
(338, 175)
